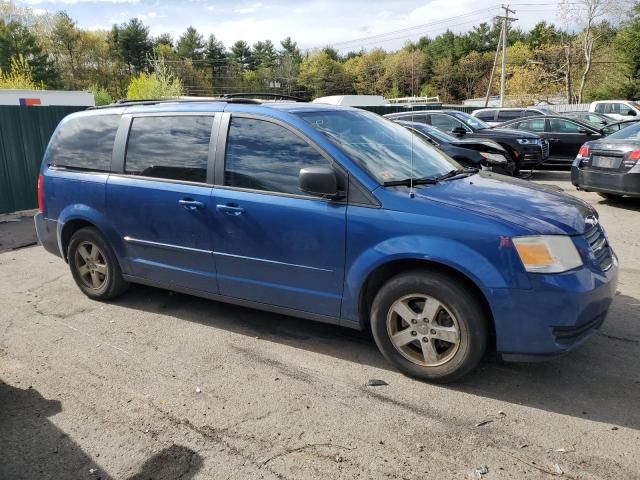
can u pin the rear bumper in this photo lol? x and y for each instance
(617, 183)
(47, 231)
(556, 315)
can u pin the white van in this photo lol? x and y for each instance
(618, 109)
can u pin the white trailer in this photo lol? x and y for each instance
(34, 98)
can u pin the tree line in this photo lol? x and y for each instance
(600, 60)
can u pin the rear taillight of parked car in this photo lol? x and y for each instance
(583, 152)
(40, 194)
(632, 159)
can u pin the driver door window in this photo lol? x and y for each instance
(265, 156)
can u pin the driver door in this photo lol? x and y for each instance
(274, 243)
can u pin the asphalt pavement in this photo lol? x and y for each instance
(159, 385)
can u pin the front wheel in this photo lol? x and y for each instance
(429, 325)
(94, 266)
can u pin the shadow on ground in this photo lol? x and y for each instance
(32, 447)
(599, 381)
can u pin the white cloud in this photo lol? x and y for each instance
(248, 9)
(74, 2)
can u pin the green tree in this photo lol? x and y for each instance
(161, 83)
(627, 48)
(17, 40)
(322, 75)
(264, 54)
(66, 41)
(191, 45)
(132, 44)
(19, 76)
(241, 53)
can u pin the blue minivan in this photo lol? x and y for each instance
(326, 213)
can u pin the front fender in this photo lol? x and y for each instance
(486, 274)
(78, 211)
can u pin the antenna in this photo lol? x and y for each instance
(412, 192)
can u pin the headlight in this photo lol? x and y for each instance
(547, 253)
(528, 141)
(494, 157)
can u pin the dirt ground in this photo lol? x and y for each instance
(164, 386)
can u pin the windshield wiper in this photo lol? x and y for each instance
(408, 182)
(459, 173)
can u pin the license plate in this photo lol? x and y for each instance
(605, 162)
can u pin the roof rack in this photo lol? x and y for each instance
(266, 96)
(155, 101)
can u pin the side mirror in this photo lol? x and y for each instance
(584, 131)
(319, 181)
(459, 131)
(631, 113)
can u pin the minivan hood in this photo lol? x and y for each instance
(541, 209)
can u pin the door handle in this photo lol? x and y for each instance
(190, 204)
(230, 209)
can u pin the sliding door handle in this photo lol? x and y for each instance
(190, 204)
(230, 209)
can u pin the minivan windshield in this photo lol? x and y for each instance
(386, 150)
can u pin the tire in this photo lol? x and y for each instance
(610, 196)
(94, 266)
(447, 306)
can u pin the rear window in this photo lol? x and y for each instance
(84, 143)
(506, 115)
(487, 116)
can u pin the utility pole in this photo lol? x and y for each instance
(493, 69)
(506, 21)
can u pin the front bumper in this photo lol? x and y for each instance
(47, 231)
(617, 183)
(532, 155)
(556, 315)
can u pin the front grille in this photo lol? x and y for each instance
(599, 245)
(545, 149)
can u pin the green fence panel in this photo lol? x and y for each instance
(24, 135)
(383, 110)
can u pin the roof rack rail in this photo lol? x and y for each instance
(265, 95)
(155, 101)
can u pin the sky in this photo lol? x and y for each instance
(344, 24)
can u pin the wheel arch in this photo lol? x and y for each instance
(382, 273)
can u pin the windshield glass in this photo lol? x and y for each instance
(381, 147)
(629, 133)
(473, 122)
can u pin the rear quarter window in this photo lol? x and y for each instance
(84, 143)
(486, 116)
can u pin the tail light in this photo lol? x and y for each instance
(40, 194)
(634, 155)
(632, 158)
(584, 151)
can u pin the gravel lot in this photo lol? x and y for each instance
(165, 386)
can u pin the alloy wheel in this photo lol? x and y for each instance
(423, 330)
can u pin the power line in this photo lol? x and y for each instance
(356, 41)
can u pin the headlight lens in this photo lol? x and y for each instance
(547, 253)
(494, 157)
(528, 141)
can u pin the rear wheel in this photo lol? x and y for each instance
(94, 266)
(429, 326)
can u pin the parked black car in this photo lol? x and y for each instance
(526, 149)
(565, 135)
(478, 153)
(610, 166)
(597, 119)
